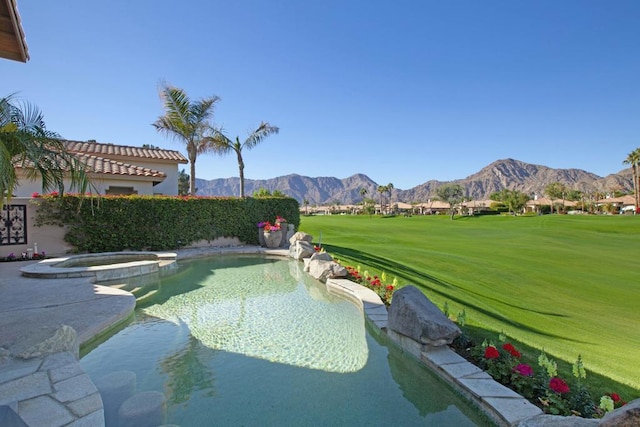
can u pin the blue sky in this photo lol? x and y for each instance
(403, 91)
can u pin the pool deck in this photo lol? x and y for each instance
(47, 387)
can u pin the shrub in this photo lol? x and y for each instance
(115, 223)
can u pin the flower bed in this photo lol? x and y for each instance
(541, 384)
(378, 284)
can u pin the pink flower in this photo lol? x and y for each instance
(36, 194)
(558, 385)
(491, 353)
(524, 370)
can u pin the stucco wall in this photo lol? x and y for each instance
(27, 188)
(49, 239)
(168, 187)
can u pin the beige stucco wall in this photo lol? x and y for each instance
(27, 188)
(168, 187)
(50, 239)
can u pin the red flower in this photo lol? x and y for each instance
(389, 287)
(615, 397)
(558, 385)
(511, 350)
(524, 370)
(36, 194)
(491, 353)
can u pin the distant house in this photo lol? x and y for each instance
(474, 207)
(622, 204)
(119, 169)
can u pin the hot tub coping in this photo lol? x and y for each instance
(47, 269)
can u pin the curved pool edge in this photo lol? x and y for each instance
(54, 268)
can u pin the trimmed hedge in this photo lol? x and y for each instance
(115, 223)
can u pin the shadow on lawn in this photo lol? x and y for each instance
(425, 282)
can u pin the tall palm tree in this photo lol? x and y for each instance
(26, 143)
(188, 122)
(225, 145)
(633, 159)
(381, 189)
(389, 189)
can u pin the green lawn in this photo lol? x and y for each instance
(566, 284)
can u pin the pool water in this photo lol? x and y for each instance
(254, 341)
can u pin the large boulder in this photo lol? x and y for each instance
(300, 236)
(300, 249)
(626, 416)
(318, 256)
(322, 270)
(412, 314)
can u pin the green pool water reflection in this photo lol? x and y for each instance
(254, 341)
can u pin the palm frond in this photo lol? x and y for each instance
(256, 137)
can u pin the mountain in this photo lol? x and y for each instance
(318, 190)
(508, 173)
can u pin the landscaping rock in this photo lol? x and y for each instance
(412, 314)
(301, 249)
(546, 420)
(323, 270)
(626, 416)
(48, 340)
(320, 256)
(300, 236)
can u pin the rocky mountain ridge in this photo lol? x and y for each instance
(507, 173)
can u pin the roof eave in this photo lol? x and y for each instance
(16, 39)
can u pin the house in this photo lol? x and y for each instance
(621, 204)
(119, 169)
(474, 207)
(12, 42)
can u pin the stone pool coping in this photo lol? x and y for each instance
(53, 268)
(53, 390)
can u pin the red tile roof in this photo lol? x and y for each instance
(104, 166)
(120, 151)
(113, 167)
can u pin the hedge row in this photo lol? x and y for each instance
(115, 223)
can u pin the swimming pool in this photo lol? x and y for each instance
(254, 341)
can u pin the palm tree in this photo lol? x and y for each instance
(381, 189)
(633, 159)
(225, 145)
(389, 188)
(363, 192)
(25, 142)
(188, 122)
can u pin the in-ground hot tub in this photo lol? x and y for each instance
(102, 266)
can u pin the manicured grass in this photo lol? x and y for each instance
(566, 284)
